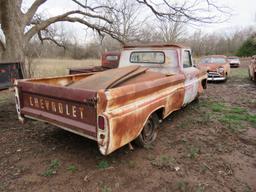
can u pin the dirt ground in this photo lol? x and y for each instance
(209, 145)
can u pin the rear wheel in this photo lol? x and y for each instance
(149, 132)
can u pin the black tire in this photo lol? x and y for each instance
(149, 132)
(226, 78)
(196, 100)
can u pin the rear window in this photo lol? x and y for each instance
(207, 60)
(153, 57)
(112, 58)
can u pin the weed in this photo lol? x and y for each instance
(247, 189)
(72, 168)
(131, 164)
(182, 186)
(204, 118)
(104, 188)
(184, 124)
(200, 188)
(103, 164)
(149, 147)
(150, 157)
(163, 161)
(52, 169)
(193, 152)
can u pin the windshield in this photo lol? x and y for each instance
(208, 60)
(233, 59)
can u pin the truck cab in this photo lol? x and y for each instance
(168, 59)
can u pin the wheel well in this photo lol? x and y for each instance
(160, 113)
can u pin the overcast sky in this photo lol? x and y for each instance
(243, 15)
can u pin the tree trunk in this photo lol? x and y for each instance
(13, 27)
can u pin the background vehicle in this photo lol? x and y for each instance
(217, 66)
(8, 73)
(109, 60)
(116, 106)
(234, 61)
(252, 68)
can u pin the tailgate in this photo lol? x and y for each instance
(69, 108)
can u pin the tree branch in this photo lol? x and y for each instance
(41, 38)
(32, 10)
(98, 28)
(44, 24)
(188, 12)
(91, 8)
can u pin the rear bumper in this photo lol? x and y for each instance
(234, 64)
(76, 127)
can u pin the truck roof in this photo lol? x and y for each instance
(154, 45)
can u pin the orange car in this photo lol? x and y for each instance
(217, 66)
(252, 68)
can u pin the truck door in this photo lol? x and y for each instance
(191, 80)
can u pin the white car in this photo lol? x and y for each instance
(234, 61)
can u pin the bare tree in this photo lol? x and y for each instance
(127, 20)
(171, 31)
(218, 43)
(19, 27)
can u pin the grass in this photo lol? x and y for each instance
(4, 95)
(217, 107)
(103, 164)
(240, 73)
(52, 169)
(233, 118)
(57, 67)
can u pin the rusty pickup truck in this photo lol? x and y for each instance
(109, 60)
(117, 106)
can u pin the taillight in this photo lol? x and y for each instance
(101, 122)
